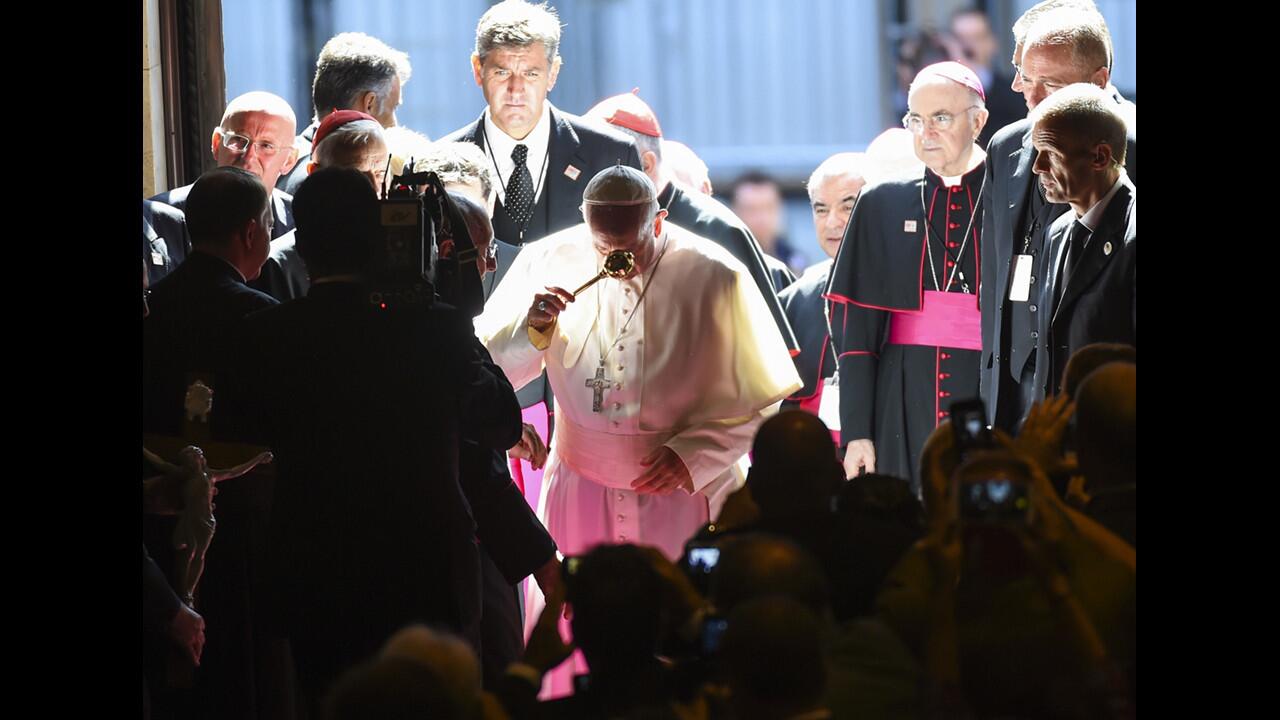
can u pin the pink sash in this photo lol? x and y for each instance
(944, 320)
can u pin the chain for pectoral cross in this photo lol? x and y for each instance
(600, 382)
(942, 242)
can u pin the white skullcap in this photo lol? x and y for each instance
(619, 185)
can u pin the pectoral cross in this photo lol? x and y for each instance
(598, 384)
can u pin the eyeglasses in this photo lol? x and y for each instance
(239, 143)
(915, 122)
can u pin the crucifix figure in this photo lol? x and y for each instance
(598, 384)
(196, 524)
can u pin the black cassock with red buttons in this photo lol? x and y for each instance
(894, 392)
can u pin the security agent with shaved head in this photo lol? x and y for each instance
(696, 212)
(357, 72)
(364, 408)
(661, 374)
(833, 187)
(346, 138)
(1089, 266)
(907, 272)
(1059, 42)
(256, 134)
(197, 313)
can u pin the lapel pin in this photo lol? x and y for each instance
(1106, 249)
(909, 226)
(572, 172)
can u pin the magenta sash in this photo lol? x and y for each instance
(944, 320)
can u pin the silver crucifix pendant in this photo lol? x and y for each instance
(598, 384)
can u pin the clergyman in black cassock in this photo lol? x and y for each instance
(908, 270)
(833, 189)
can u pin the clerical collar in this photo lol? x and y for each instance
(1094, 216)
(501, 145)
(949, 181)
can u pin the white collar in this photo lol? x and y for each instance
(1092, 218)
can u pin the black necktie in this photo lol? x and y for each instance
(519, 200)
(1077, 237)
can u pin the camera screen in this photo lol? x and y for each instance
(704, 558)
(712, 632)
(994, 499)
(973, 425)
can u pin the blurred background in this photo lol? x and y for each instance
(773, 86)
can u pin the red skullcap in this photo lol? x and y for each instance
(335, 120)
(629, 111)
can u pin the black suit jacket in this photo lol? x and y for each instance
(164, 231)
(1009, 183)
(281, 207)
(364, 409)
(1100, 301)
(284, 275)
(196, 317)
(707, 217)
(575, 144)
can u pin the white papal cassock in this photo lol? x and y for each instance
(698, 368)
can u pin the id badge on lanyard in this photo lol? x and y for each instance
(1020, 285)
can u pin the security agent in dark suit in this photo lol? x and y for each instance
(196, 314)
(542, 157)
(197, 309)
(1056, 47)
(364, 409)
(256, 134)
(1090, 291)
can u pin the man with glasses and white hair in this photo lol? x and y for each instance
(907, 273)
(256, 134)
(1059, 43)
